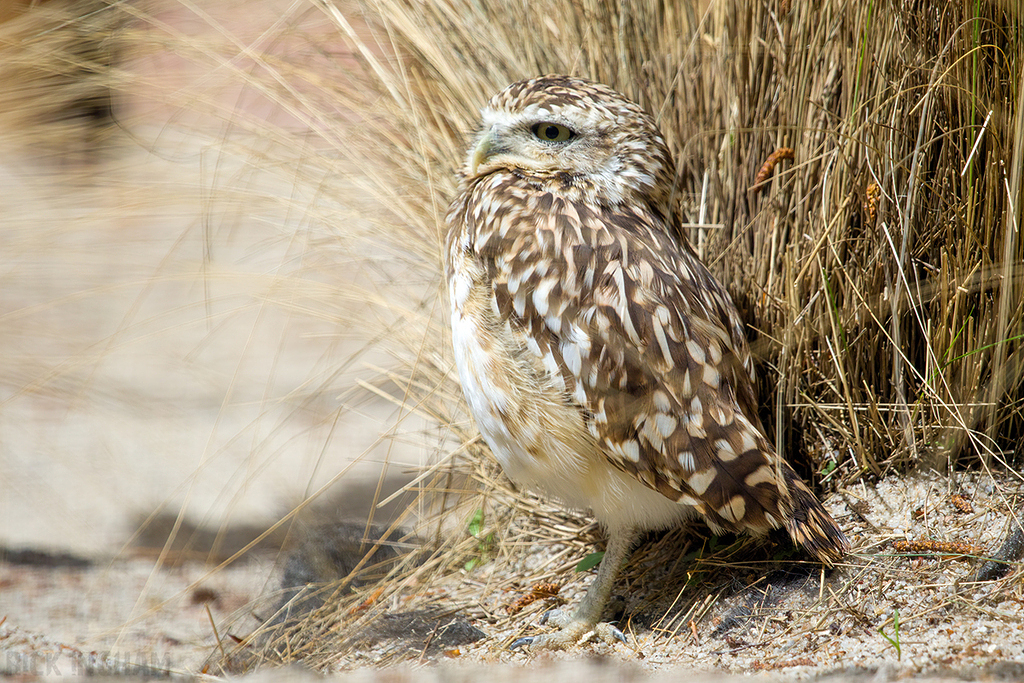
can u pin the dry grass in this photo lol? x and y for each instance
(880, 270)
(56, 74)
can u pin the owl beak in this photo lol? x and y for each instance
(485, 148)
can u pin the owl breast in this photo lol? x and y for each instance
(532, 426)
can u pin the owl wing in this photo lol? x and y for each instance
(650, 348)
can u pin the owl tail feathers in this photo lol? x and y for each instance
(812, 527)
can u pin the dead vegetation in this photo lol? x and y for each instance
(851, 171)
(878, 270)
(57, 74)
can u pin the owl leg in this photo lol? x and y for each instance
(584, 623)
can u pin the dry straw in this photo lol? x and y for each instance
(57, 74)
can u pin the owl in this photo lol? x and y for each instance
(603, 364)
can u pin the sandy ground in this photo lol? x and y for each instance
(123, 616)
(163, 366)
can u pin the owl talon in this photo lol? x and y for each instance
(570, 633)
(556, 618)
(526, 642)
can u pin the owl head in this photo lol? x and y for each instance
(575, 137)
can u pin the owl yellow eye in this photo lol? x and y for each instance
(552, 132)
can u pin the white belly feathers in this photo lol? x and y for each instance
(538, 437)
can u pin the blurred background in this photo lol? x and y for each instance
(197, 323)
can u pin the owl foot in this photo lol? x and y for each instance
(571, 631)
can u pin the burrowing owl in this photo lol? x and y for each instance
(602, 362)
